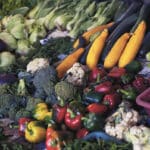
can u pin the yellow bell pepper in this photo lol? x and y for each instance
(35, 132)
(40, 111)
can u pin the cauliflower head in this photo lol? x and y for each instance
(120, 121)
(76, 74)
(37, 64)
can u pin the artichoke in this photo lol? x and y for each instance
(19, 31)
(65, 90)
(8, 39)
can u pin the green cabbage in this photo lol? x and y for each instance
(8, 39)
(19, 31)
(24, 47)
(6, 60)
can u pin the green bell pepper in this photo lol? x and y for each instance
(93, 122)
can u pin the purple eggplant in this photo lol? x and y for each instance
(7, 78)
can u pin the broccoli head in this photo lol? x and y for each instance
(7, 101)
(9, 104)
(65, 90)
(44, 81)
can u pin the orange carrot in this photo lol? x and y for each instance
(86, 35)
(68, 62)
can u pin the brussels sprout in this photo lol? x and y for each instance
(8, 39)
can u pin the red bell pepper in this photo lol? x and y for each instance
(82, 133)
(116, 72)
(96, 74)
(111, 100)
(22, 125)
(73, 121)
(104, 87)
(52, 139)
(97, 108)
(59, 113)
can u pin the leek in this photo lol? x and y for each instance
(107, 14)
(62, 20)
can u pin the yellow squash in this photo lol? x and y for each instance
(133, 45)
(116, 51)
(86, 35)
(96, 49)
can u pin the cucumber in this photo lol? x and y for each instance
(145, 46)
(143, 15)
(82, 59)
(82, 42)
(123, 27)
(133, 8)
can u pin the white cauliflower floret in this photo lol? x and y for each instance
(119, 122)
(116, 130)
(139, 136)
(109, 129)
(37, 64)
(130, 118)
(120, 129)
(76, 74)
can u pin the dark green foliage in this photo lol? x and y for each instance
(22, 113)
(79, 144)
(8, 5)
(32, 102)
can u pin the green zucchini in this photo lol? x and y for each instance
(123, 27)
(145, 46)
(143, 15)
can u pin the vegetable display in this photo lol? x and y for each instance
(71, 73)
